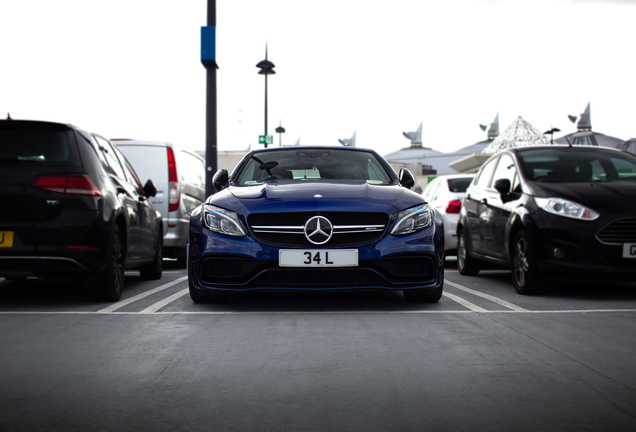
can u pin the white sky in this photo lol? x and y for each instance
(131, 68)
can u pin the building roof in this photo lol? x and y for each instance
(586, 136)
(629, 146)
(519, 134)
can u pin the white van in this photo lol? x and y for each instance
(179, 176)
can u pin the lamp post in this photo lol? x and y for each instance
(551, 132)
(280, 130)
(266, 68)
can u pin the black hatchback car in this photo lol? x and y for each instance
(73, 208)
(552, 213)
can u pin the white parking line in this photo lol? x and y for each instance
(487, 297)
(133, 299)
(155, 307)
(465, 303)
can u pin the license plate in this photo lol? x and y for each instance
(318, 258)
(6, 239)
(629, 250)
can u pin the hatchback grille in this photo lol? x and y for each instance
(287, 229)
(618, 232)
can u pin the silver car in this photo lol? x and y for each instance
(180, 180)
(445, 193)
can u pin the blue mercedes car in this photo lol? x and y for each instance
(315, 218)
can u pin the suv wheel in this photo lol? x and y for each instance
(466, 265)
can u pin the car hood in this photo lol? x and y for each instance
(315, 196)
(601, 196)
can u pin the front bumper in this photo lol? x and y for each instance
(571, 251)
(219, 262)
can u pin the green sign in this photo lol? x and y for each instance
(266, 139)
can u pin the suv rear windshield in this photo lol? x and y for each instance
(36, 143)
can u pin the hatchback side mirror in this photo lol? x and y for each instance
(503, 187)
(150, 189)
(406, 178)
(220, 179)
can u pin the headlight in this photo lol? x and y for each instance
(222, 221)
(414, 219)
(566, 208)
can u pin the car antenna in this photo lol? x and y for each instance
(9, 116)
(568, 141)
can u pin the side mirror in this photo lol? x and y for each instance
(503, 187)
(220, 179)
(150, 189)
(406, 178)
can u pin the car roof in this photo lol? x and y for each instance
(576, 147)
(313, 147)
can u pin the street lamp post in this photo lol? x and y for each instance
(280, 130)
(266, 68)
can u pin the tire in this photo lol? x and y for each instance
(525, 273)
(466, 265)
(155, 270)
(108, 284)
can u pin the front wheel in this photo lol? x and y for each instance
(525, 274)
(466, 265)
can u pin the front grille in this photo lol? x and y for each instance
(287, 229)
(618, 232)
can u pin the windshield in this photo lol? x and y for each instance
(576, 165)
(34, 145)
(302, 165)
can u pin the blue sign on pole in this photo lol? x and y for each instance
(208, 45)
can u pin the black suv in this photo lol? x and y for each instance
(73, 208)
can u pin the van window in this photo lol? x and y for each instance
(191, 169)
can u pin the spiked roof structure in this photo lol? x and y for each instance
(520, 133)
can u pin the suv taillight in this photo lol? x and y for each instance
(453, 206)
(73, 184)
(174, 191)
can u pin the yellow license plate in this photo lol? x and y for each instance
(6, 239)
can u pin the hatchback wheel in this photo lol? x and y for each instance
(108, 284)
(155, 270)
(525, 274)
(466, 265)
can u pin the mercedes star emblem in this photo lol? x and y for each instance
(318, 230)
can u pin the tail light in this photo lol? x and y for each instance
(72, 184)
(174, 191)
(453, 206)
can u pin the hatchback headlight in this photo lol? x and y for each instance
(413, 219)
(566, 208)
(221, 221)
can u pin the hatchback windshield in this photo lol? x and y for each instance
(313, 165)
(578, 165)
